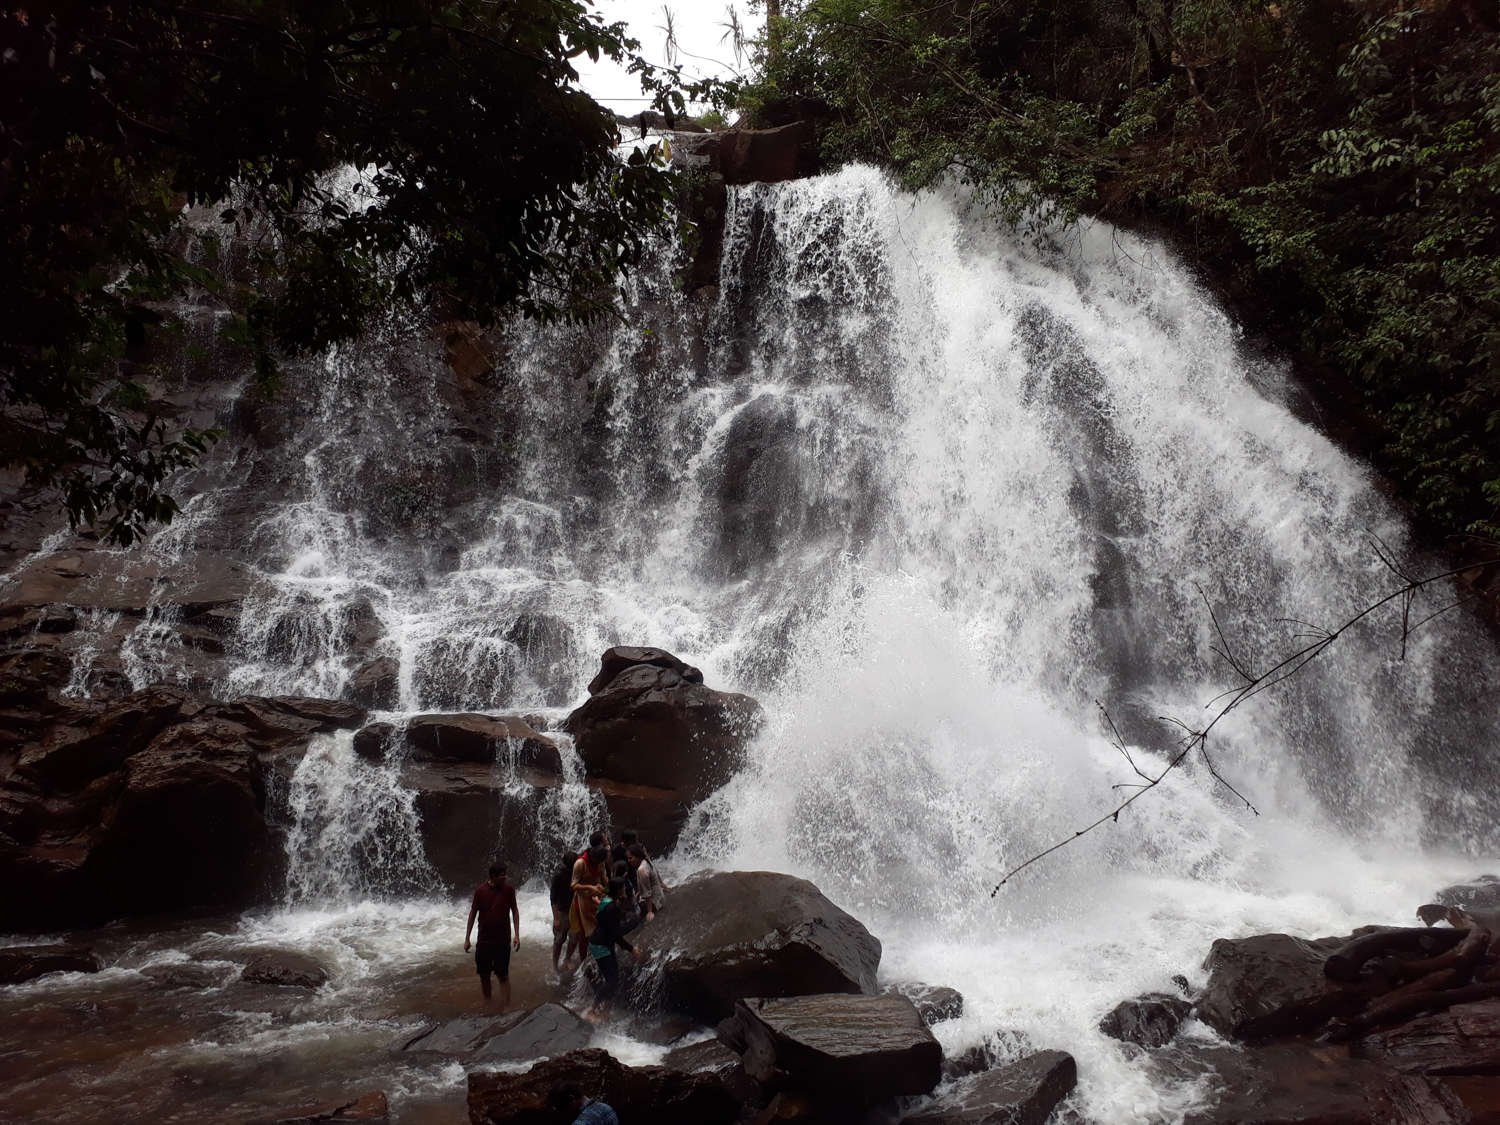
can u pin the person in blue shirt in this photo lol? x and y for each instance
(609, 931)
(571, 1107)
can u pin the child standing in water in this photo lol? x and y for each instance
(608, 932)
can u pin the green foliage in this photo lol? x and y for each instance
(486, 181)
(1333, 163)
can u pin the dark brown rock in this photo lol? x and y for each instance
(19, 963)
(651, 725)
(713, 1057)
(373, 743)
(1273, 985)
(621, 657)
(740, 934)
(74, 756)
(935, 1002)
(1465, 1039)
(862, 1049)
(1303, 1084)
(1024, 1092)
(285, 968)
(651, 1095)
(480, 738)
(376, 684)
(1147, 1021)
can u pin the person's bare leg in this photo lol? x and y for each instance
(484, 987)
(504, 993)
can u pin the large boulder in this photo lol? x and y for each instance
(20, 963)
(935, 1002)
(1480, 893)
(1147, 1021)
(651, 723)
(651, 1095)
(1273, 985)
(843, 1047)
(1024, 1092)
(737, 934)
(714, 1057)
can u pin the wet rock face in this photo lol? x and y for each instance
(372, 1108)
(857, 1048)
(481, 738)
(1481, 893)
(150, 802)
(21, 963)
(1024, 1092)
(651, 1095)
(739, 934)
(1272, 985)
(1147, 1021)
(935, 1002)
(651, 721)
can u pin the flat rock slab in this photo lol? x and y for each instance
(736, 934)
(285, 968)
(1147, 1021)
(864, 1048)
(543, 1032)
(1024, 1092)
(1465, 1039)
(540, 1032)
(650, 1095)
(1305, 1084)
(1273, 985)
(20, 963)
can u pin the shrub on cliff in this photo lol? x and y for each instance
(486, 181)
(1334, 165)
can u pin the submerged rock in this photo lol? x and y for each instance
(20, 963)
(738, 934)
(858, 1049)
(371, 1108)
(650, 1095)
(1147, 1021)
(1024, 1092)
(286, 968)
(548, 1029)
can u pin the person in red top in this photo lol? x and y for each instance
(495, 907)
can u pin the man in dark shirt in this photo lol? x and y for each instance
(495, 907)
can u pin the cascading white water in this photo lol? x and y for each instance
(930, 490)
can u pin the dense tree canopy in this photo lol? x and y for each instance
(486, 181)
(1333, 164)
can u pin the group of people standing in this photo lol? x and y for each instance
(598, 896)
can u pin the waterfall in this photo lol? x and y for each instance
(930, 488)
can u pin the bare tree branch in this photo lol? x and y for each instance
(1321, 640)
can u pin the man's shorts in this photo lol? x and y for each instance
(493, 957)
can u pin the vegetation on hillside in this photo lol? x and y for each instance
(488, 183)
(1333, 165)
